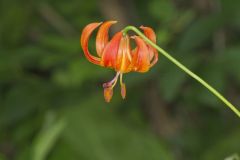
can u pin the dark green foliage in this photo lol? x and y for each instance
(51, 100)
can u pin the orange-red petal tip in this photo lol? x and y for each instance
(102, 36)
(86, 33)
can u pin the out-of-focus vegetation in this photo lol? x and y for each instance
(51, 100)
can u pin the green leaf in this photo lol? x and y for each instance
(95, 132)
(2, 157)
(163, 10)
(199, 33)
(46, 139)
(230, 59)
(172, 78)
(14, 23)
(77, 72)
(223, 148)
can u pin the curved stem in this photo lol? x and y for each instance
(184, 68)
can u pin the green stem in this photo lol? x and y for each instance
(185, 69)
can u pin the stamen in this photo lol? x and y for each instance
(108, 88)
(108, 93)
(115, 82)
(111, 83)
(123, 87)
(121, 81)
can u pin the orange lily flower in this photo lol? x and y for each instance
(117, 53)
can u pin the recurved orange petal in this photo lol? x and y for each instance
(86, 33)
(102, 36)
(141, 56)
(150, 34)
(120, 55)
(109, 55)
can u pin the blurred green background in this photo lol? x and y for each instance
(51, 97)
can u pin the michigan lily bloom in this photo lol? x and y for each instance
(117, 54)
